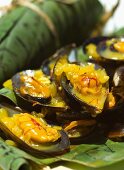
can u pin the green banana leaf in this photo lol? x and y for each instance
(6, 93)
(96, 156)
(12, 158)
(26, 39)
(90, 155)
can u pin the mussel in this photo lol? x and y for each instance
(33, 134)
(34, 90)
(107, 51)
(85, 131)
(112, 49)
(72, 115)
(90, 47)
(80, 130)
(118, 81)
(69, 51)
(85, 86)
(116, 133)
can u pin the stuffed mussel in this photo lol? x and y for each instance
(116, 133)
(112, 49)
(79, 131)
(69, 51)
(33, 134)
(107, 51)
(118, 81)
(33, 90)
(90, 47)
(84, 85)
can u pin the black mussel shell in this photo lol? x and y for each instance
(94, 40)
(86, 132)
(116, 133)
(41, 149)
(111, 115)
(112, 58)
(96, 54)
(118, 81)
(90, 49)
(29, 102)
(72, 115)
(48, 64)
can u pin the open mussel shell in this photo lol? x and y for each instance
(30, 102)
(84, 131)
(113, 110)
(19, 81)
(70, 51)
(48, 64)
(118, 81)
(94, 40)
(59, 146)
(76, 100)
(100, 51)
(71, 115)
(116, 133)
(90, 48)
(112, 49)
(112, 54)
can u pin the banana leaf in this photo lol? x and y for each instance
(26, 39)
(12, 158)
(87, 156)
(7, 95)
